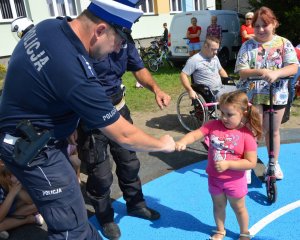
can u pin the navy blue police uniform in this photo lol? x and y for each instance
(110, 71)
(53, 85)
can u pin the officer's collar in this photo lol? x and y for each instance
(73, 37)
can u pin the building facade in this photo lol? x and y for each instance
(156, 12)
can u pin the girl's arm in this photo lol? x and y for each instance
(7, 203)
(188, 139)
(286, 71)
(249, 162)
(270, 75)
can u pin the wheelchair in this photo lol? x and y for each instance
(193, 113)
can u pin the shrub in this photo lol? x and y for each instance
(2, 74)
(2, 68)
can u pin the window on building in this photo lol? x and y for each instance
(197, 4)
(176, 5)
(147, 7)
(62, 8)
(11, 9)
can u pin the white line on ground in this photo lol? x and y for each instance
(272, 216)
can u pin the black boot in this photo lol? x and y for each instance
(111, 231)
(145, 213)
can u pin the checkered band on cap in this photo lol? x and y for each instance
(131, 3)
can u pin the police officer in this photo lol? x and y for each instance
(110, 71)
(21, 26)
(50, 84)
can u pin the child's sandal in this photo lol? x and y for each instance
(222, 233)
(246, 235)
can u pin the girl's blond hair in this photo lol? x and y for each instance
(5, 176)
(240, 100)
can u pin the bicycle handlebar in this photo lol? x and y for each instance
(259, 78)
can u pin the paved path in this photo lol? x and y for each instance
(186, 208)
(189, 214)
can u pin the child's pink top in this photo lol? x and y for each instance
(227, 144)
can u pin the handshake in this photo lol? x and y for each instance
(169, 145)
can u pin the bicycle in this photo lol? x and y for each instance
(149, 52)
(158, 61)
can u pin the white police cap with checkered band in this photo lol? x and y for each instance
(119, 16)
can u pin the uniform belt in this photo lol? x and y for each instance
(120, 104)
(11, 140)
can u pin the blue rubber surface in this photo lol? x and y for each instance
(185, 205)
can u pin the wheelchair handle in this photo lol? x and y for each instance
(210, 104)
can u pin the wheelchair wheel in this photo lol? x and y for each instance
(191, 113)
(170, 63)
(153, 65)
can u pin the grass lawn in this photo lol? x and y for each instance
(168, 79)
(295, 110)
(141, 99)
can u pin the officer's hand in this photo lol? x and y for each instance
(162, 99)
(168, 142)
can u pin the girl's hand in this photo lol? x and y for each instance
(270, 75)
(221, 166)
(180, 146)
(15, 188)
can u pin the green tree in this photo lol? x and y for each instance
(288, 15)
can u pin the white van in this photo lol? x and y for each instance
(231, 39)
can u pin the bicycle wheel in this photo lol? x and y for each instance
(191, 113)
(170, 63)
(153, 65)
(148, 55)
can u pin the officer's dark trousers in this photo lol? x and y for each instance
(53, 186)
(100, 176)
